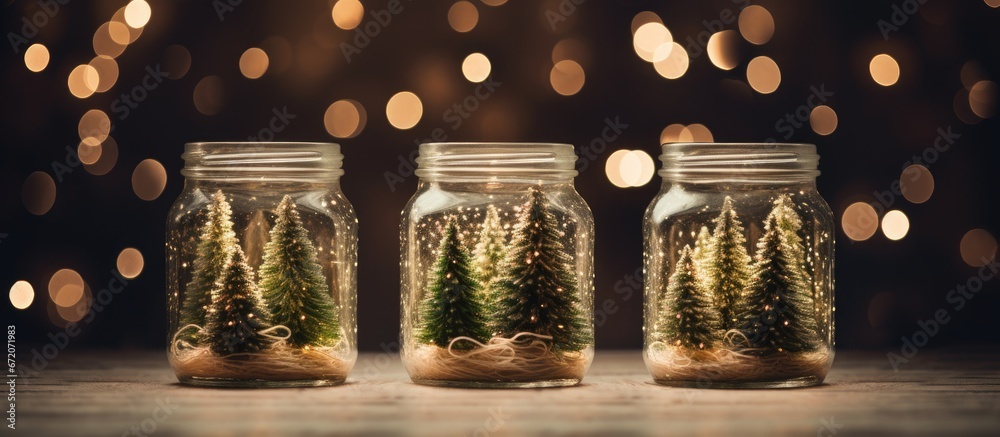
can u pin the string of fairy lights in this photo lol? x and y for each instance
(652, 42)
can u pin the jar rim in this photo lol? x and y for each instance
(739, 162)
(272, 161)
(469, 161)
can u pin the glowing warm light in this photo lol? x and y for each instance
(982, 98)
(36, 57)
(978, 247)
(137, 13)
(105, 161)
(38, 193)
(860, 221)
(345, 119)
(253, 63)
(94, 127)
(644, 17)
(119, 17)
(756, 24)
(567, 77)
(494, 2)
(89, 154)
(66, 287)
(463, 16)
(130, 263)
(895, 225)
(176, 61)
(404, 110)
(21, 295)
(722, 49)
(963, 109)
(105, 43)
(971, 73)
(107, 72)
(83, 81)
(884, 70)
(992, 3)
(348, 14)
(763, 74)
(637, 168)
(671, 133)
(916, 183)
(149, 179)
(696, 133)
(613, 168)
(648, 38)
(823, 120)
(209, 95)
(673, 60)
(476, 67)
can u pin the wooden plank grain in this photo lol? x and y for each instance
(946, 393)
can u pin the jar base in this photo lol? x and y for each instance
(805, 381)
(257, 383)
(549, 383)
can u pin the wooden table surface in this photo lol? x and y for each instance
(114, 393)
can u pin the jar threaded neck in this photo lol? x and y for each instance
(471, 161)
(235, 161)
(739, 162)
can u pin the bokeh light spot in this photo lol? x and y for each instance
(673, 60)
(209, 95)
(345, 118)
(38, 193)
(36, 57)
(763, 75)
(823, 120)
(916, 183)
(137, 13)
(895, 225)
(567, 77)
(860, 221)
(884, 69)
(476, 67)
(463, 16)
(722, 49)
(253, 63)
(404, 110)
(756, 24)
(149, 179)
(21, 295)
(613, 168)
(130, 263)
(978, 247)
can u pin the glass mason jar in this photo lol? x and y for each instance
(261, 267)
(739, 268)
(497, 268)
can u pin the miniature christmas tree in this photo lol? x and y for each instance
(727, 265)
(237, 316)
(293, 283)
(790, 224)
(453, 306)
(702, 253)
(215, 247)
(538, 291)
(778, 312)
(688, 317)
(488, 254)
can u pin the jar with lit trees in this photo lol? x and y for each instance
(261, 267)
(497, 268)
(738, 264)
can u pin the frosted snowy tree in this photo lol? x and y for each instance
(489, 252)
(237, 315)
(453, 305)
(293, 283)
(537, 292)
(702, 252)
(215, 247)
(778, 312)
(791, 226)
(688, 317)
(727, 265)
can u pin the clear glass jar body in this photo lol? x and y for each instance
(261, 267)
(739, 255)
(497, 268)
